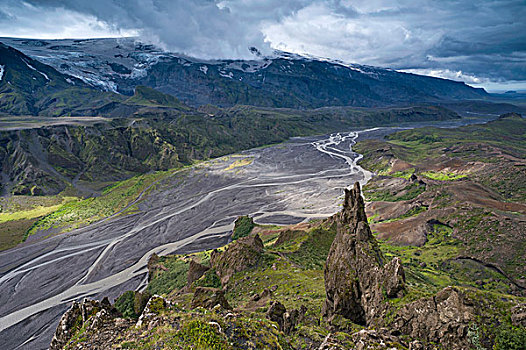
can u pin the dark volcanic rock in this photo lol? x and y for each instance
(444, 318)
(357, 285)
(240, 255)
(77, 315)
(518, 315)
(69, 323)
(286, 321)
(195, 271)
(355, 278)
(209, 297)
(275, 313)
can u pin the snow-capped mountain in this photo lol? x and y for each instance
(284, 80)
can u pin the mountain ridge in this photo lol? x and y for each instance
(287, 80)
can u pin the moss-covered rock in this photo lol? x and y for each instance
(240, 255)
(209, 297)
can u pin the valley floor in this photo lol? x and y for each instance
(459, 237)
(193, 210)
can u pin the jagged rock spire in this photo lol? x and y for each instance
(353, 206)
(355, 278)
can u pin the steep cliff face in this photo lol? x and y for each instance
(357, 282)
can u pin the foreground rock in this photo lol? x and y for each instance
(355, 275)
(93, 310)
(277, 292)
(358, 286)
(240, 255)
(444, 318)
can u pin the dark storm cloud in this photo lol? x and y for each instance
(203, 28)
(474, 41)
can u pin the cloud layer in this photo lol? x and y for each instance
(473, 41)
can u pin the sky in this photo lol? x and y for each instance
(480, 42)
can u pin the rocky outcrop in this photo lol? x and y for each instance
(240, 255)
(195, 271)
(287, 321)
(77, 315)
(518, 315)
(355, 275)
(444, 318)
(155, 305)
(358, 285)
(209, 297)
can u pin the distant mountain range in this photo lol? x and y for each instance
(285, 80)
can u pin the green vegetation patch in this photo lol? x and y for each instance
(170, 274)
(18, 214)
(411, 191)
(442, 176)
(425, 265)
(81, 213)
(410, 213)
(312, 252)
(242, 227)
(209, 279)
(511, 338)
(131, 304)
(202, 336)
(406, 174)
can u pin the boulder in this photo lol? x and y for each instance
(275, 313)
(355, 275)
(293, 318)
(208, 298)
(518, 315)
(242, 254)
(444, 318)
(287, 321)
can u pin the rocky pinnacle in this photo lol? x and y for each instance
(357, 282)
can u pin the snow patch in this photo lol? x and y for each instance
(106, 85)
(224, 74)
(36, 70)
(248, 66)
(203, 69)
(2, 70)
(138, 73)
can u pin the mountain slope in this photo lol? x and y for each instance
(29, 87)
(285, 80)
